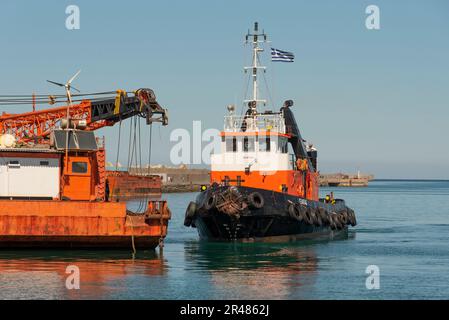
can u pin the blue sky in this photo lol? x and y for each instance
(373, 100)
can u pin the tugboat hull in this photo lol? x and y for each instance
(273, 221)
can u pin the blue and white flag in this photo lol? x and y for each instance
(281, 56)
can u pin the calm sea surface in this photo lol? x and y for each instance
(403, 229)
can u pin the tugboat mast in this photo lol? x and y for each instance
(252, 104)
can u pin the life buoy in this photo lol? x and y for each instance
(256, 200)
(210, 202)
(190, 214)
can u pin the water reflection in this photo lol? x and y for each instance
(254, 271)
(42, 274)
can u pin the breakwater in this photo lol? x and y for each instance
(185, 179)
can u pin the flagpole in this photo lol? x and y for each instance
(255, 67)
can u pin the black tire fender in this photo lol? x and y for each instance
(191, 209)
(333, 219)
(324, 216)
(295, 212)
(256, 200)
(210, 202)
(317, 221)
(344, 217)
(352, 218)
(190, 214)
(309, 216)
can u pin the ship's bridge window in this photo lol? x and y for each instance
(264, 144)
(248, 144)
(14, 164)
(231, 144)
(282, 145)
(79, 167)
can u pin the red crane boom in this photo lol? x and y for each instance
(36, 126)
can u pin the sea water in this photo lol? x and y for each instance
(402, 234)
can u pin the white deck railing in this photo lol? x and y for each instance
(263, 122)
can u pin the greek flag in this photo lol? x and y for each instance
(281, 56)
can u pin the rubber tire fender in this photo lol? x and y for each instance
(303, 210)
(324, 216)
(292, 211)
(256, 200)
(344, 219)
(333, 219)
(190, 214)
(295, 212)
(338, 222)
(210, 202)
(309, 216)
(352, 218)
(317, 221)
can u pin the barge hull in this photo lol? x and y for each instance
(83, 224)
(78, 242)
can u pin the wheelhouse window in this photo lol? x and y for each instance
(79, 167)
(264, 144)
(14, 164)
(248, 144)
(231, 144)
(283, 145)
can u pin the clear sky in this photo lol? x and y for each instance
(377, 100)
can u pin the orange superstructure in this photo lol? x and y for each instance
(53, 183)
(254, 154)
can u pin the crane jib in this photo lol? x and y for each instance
(296, 140)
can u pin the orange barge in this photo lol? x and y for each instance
(126, 186)
(53, 189)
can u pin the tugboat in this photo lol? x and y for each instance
(258, 191)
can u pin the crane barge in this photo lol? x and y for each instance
(53, 182)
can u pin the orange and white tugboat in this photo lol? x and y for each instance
(54, 190)
(258, 190)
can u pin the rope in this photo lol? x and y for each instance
(130, 142)
(139, 153)
(149, 149)
(133, 245)
(118, 145)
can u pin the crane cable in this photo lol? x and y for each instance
(17, 100)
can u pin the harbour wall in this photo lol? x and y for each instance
(184, 179)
